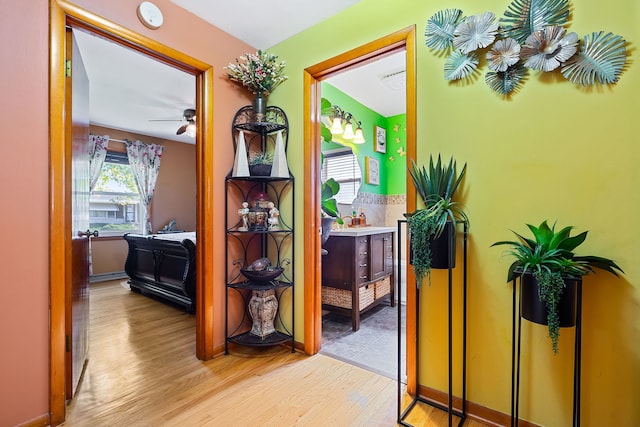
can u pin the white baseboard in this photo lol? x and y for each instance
(105, 277)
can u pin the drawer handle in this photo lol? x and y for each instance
(364, 277)
(364, 253)
(363, 265)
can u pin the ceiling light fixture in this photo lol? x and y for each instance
(341, 116)
(191, 129)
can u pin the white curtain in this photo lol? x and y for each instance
(145, 164)
(97, 153)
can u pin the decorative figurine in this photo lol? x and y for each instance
(244, 213)
(274, 213)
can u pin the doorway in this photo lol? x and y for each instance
(403, 39)
(64, 14)
(372, 97)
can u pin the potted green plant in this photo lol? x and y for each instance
(549, 270)
(329, 206)
(260, 163)
(432, 228)
(331, 187)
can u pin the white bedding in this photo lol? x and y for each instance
(191, 235)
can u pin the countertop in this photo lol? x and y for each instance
(362, 231)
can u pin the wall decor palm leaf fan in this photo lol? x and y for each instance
(508, 81)
(601, 58)
(460, 65)
(523, 17)
(439, 30)
(475, 32)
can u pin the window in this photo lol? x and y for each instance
(114, 205)
(342, 165)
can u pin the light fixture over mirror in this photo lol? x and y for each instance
(341, 116)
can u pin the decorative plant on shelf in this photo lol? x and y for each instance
(549, 258)
(260, 72)
(436, 186)
(260, 163)
(529, 36)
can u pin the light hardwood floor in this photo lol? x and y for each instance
(143, 372)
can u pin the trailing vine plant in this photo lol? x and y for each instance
(550, 288)
(422, 226)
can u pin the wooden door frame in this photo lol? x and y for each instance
(62, 14)
(402, 39)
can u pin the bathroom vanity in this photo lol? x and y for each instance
(358, 270)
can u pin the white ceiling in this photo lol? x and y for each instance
(264, 23)
(129, 90)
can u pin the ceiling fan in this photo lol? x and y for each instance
(189, 115)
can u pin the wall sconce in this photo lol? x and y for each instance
(348, 132)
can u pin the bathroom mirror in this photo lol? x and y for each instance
(342, 165)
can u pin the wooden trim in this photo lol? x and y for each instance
(205, 267)
(63, 13)
(411, 150)
(475, 411)
(41, 421)
(312, 241)
(57, 215)
(402, 39)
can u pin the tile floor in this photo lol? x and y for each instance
(374, 346)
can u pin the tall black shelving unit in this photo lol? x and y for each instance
(451, 411)
(260, 242)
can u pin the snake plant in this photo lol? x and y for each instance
(436, 186)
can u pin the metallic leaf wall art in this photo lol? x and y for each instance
(531, 36)
(601, 59)
(524, 17)
(547, 48)
(509, 81)
(503, 53)
(475, 32)
(460, 65)
(440, 27)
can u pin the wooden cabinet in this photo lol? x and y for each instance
(358, 271)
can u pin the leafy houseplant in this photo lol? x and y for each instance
(550, 259)
(260, 163)
(436, 186)
(329, 206)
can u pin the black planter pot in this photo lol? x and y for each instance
(534, 310)
(441, 247)
(260, 170)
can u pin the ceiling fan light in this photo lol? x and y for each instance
(191, 130)
(336, 127)
(348, 131)
(359, 137)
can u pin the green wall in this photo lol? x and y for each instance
(392, 164)
(553, 151)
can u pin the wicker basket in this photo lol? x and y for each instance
(342, 298)
(382, 288)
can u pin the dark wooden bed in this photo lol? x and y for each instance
(163, 266)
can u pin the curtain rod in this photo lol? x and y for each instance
(118, 140)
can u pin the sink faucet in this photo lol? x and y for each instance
(344, 219)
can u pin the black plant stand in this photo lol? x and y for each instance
(449, 408)
(515, 354)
